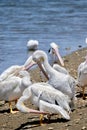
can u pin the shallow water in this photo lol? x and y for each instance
(63, 22)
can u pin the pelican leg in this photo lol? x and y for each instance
(83, 91)
(11, 111)
(41, 119)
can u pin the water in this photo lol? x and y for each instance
(60, 21)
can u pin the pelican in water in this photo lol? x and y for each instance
(63, 82)
(32, 44)
(82, 76)
(11, 88)
(54, 51)
(47, 99)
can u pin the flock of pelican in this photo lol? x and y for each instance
(57, 95)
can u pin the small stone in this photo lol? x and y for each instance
(50, 128)
(2, 103)
(33, 119)
(77, 121)
(83, 128)
(80, 113)
(68, 125)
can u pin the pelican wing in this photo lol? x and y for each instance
(9, 72)
(47, 93)
(60, 69)
(7, 88)
(52, 108)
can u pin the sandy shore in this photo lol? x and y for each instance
(31, 122)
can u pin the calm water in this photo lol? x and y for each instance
(61, 21)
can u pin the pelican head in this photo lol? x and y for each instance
(39, 57)
(32, 44)
(55, 51)
(29, 63)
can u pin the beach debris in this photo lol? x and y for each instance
(84, 128)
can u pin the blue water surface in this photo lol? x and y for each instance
(60, 21)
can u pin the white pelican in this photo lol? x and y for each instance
(46, 98)
(54, 51)
(82, 75)
(11, 88)
(32, 44)
(11, 73)
(63, 82)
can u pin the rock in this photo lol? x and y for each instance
(2, 103)
(50, 128)
(68, 125)
(83, 128)
(77, 121)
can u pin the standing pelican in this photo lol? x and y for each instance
(54, 51)
(46, 98)
(82, 75)
(11, 77)
(32, 44)
(11, 88)
(63, 82)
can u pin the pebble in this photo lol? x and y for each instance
(80, 113)
(33, 119)
(83, 128)
(2, 103)
(68, 125)
(50, 128)
(77, 121)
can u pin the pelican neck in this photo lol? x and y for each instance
(47, 66)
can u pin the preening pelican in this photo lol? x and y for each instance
(10, 79)
(63, 82)
(11, 88)
(82, 75)
(46, 98)
(54, 51)
(32, 44)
